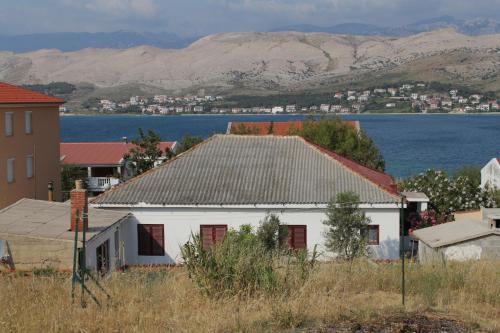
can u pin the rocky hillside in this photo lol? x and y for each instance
(276, 61)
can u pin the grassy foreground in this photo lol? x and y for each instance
(158, 299)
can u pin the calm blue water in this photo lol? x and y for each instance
(410, 143)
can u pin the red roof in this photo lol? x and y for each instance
(381, 179)
(10, 94)
(100, 153)
(279, 127)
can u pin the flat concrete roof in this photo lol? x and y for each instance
(51, 220)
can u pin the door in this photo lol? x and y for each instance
(102, 255)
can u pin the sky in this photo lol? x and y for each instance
(202, 17)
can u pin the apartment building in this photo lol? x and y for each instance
(29, 144)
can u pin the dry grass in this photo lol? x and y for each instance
(166, 300)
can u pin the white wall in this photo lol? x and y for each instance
(490, 174)
(116, 261)
(179, 223)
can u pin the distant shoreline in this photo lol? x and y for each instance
(281, 114)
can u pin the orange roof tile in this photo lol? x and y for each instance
(100, 153)
(10, 94)
(279, 127)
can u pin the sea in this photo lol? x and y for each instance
(410, 144)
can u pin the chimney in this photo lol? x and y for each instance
(50, 188)
(79, 203)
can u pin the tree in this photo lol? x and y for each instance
(70, 173)
(472, 173)
(336, 135)
(146, 152)
(346, 227)
(187, 142)
(271, 232)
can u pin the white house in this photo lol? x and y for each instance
(277, 109)
(490, 174)
(231, 180)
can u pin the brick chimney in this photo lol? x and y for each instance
(79, 201)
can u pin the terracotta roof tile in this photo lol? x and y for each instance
(10, 94)
(279, 127)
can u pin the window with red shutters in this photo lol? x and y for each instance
(211, 234)
(150, 239)
(296, 237)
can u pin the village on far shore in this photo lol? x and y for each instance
(407, 98)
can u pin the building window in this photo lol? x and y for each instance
(150, 239)
(9, 129)
(211, 234)
(10, 170)
(27, 122)
(296, 237)
(372, 234)
(29, 166)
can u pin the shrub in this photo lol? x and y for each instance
(447, 196)
(246, 262)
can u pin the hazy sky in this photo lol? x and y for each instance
(201, 17)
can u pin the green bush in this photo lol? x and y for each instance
(246, 262)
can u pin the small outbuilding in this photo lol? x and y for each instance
(40, 234)
(461, 240)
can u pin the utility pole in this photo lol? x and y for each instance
(401, 248)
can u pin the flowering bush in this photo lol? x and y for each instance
(447, 196)
(427, 218)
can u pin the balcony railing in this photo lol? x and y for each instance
(101, 184)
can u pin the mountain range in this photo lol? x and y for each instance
(235, 63)
(473, 27)
(74, 41)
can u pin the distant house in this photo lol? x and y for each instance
(324, 107)
(273, 127)
(490, 174)
(446, 103)
(232, 180)
(103, 161)
(277, 109)
(466, 239)
(390, 105)
(392, 91)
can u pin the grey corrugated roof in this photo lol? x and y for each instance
(45, 219)
(232, 169)
(454, 232)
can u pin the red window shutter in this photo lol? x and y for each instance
(211, 234)
(157, 240)
(143, 240)
(220, 232)
(206, 236)
(297, 237)
(150, 239)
